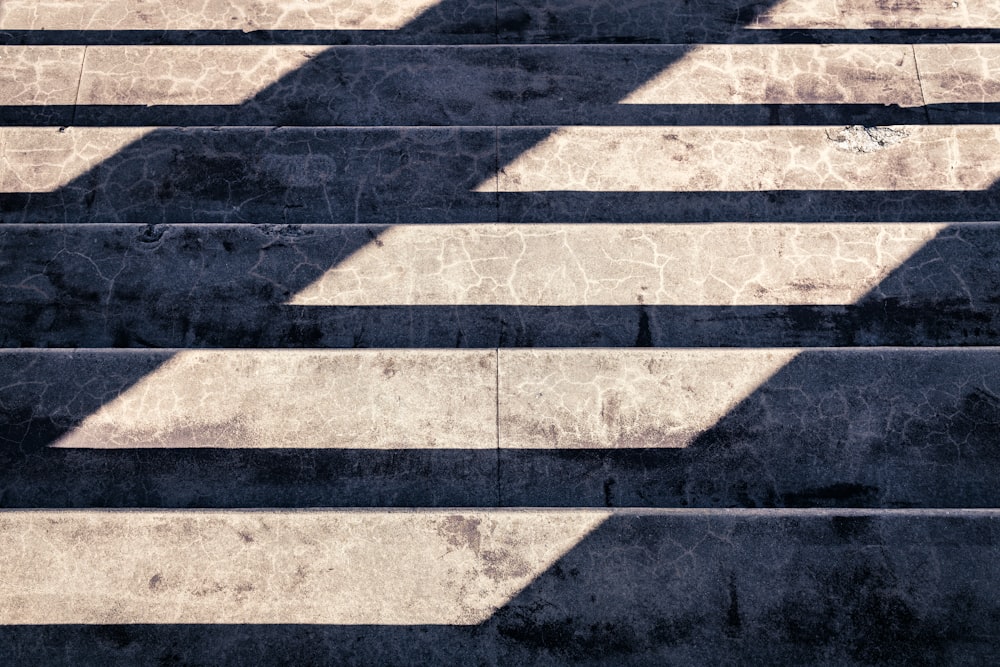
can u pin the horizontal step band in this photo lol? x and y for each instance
(672, 428)
(514, 85)
(403, 175)
(511, 285)
(471, 21)
(334, 587)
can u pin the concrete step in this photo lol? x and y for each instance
(501, 85)
(502, 587)
(471, 85)
(831, 427)
(490, 285)
(443, 175)
(478, 21)
(248, 22)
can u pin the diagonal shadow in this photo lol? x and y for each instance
(611, 598)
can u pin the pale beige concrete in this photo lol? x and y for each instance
(569, 265)
(699, 159)
(786, 74)
(356, 399)
(42, 159)
(591, 399)
(952, 73)
(186, 74)
(323, 567)
(878, 14)
(738, 74)
(209, 14)
(39, 74)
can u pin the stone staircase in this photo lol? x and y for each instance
(499, 333)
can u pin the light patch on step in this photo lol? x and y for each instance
(747, 159)
(44, 159)
(329, 399)
(873, 14)
(745, 264)
(786, 74)
(596, 399)
(186, 75)
(220, 15)
(318, 567)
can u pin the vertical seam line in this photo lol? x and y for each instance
(79, 83)
(920, 83)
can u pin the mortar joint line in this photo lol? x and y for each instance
(79, 84)
(497, 413)
(920, 83)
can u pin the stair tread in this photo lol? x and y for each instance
(694, 588)
(474, 21)
(498, 285)
(881, 427)
(507, 85)
(446, 174)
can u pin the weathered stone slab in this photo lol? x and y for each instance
(277, 175)
(918, 173)
(581, 265)
(734, 159)
(325, 567)
(39, 84)
(242, 22)
(961, 82)
(268, 399)
(498, 285)
(759, 428)
(247, 428)
(694, 588)
(515, 85)
(733, 21)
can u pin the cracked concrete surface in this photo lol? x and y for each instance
(737, 264)
(768, 196)
(698, 159)
(330, 567)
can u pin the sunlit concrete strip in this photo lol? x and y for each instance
(39, 74)
(358, 399)
(186, 75)
(590, 399)
(749, 159)
(959, 72)
(42, 159)
(572, 265)
(877, 14)
(209, 15)
(786, 74)
(322, 567)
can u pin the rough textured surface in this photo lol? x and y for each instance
(749, 180)
(518, 85)
(750, 428)
(240, 22)
(840, 588)
(735, 21)
(232, 286)
(704, 428)
(278, 175)
(41, 83)
(616, 265)
(328, 567)
(267, 399)
(700, 159)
